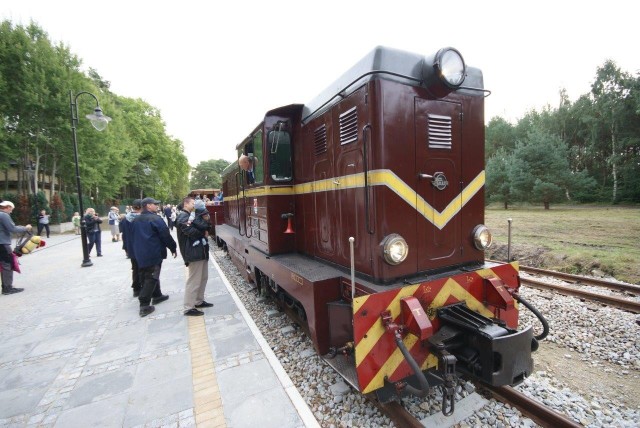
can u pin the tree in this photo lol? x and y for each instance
(539, 168)
(610, 91)
(498, 186)
(207, 174)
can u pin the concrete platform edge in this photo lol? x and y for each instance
(301, 406)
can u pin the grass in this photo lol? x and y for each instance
(576, 239)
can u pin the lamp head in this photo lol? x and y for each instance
(98, 119)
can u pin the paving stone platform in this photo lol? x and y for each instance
(75, 353)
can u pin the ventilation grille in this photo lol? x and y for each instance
(439, 132)
(349, 126)
(320, 140)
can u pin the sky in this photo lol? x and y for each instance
(214, 68)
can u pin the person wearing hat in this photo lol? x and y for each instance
(194, 247)
(7, 227)
(151, 238)
(114, 222)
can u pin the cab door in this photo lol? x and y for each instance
(438, 193)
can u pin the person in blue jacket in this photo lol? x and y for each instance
(151, 239)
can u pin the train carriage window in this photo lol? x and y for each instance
(279, 143)
(257, 157)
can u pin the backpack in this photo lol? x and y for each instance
(27, 243)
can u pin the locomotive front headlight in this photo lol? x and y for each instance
(450, 66)
(394, 249)
(482, 237)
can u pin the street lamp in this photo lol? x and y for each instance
(100, 122)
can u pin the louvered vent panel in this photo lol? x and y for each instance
(349, 126)
(320, 140)
(439, 132)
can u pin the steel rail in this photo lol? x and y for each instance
(628, 305)
(632, 288)
(534, 410)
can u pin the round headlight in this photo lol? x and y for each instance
(394, 249)
(482, 237)
(450, 66)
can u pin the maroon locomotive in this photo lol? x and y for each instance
(363, 211)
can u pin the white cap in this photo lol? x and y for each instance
(5, 204)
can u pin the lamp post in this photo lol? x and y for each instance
(100, 122)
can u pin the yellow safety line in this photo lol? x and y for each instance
(206, 394)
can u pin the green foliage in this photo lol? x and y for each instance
(206, 175)
(586, 151)
(36, 78)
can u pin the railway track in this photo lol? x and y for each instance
(534, 410)
(627, 288)
(618, 302)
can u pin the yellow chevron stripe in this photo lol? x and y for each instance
(381, 177)
(450, 288)
(377, 329)
(394, 361)
(390, 365)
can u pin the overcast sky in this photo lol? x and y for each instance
(214, 68)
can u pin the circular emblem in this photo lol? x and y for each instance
(439, 181)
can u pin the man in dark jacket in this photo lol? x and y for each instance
(194, 246)
(151, 238)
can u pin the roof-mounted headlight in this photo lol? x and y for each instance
(482, 237)
(450, 67)
(394, 249)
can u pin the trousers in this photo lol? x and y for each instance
(6, 262)
(150, 279)
(197, 277)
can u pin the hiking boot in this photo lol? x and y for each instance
(160, 299)
(146, 310)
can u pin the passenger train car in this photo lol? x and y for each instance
(363, 211)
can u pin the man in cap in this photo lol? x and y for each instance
(151, 238)
(7, 227)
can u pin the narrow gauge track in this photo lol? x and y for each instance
(628, 305)
(629, 288)
(536, 411)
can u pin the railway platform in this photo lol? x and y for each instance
(74, 351)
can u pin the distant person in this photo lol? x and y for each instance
(167, 215)
(92, 223)
(194, 247)
(76, 222)
(127, 245)
(43, 222)
(151, 238)
(7, 227)
(114, 221)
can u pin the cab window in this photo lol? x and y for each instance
(279, 144)
(257, 157)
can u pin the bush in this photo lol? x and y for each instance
(57, 209)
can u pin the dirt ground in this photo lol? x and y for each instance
(583, 378)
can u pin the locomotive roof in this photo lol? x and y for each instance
(381, 63)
